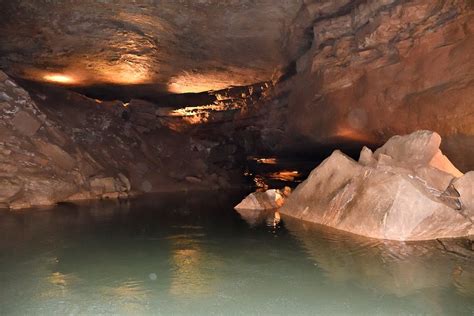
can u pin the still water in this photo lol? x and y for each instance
(192, 254)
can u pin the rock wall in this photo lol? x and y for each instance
(56, 145)
(377, 68)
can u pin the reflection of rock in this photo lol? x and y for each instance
(396, 193)
(268, 200)
(387, 267)
(259, 217)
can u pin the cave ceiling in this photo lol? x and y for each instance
(178, 45)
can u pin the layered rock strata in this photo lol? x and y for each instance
(60, 146)
(377, 69)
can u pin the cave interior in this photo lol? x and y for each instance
(117, 100)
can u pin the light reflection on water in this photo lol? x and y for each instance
(192, 254)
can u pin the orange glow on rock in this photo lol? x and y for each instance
(351, 134)
(59, 78)
(190, 82)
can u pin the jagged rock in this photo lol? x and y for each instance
(418, 148)
(268, 200)
(25, 123)
(366, 157)
(400, 196)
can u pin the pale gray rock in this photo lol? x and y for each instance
(270, 199)
(400, 197)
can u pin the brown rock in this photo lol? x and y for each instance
(3, 76)
(9, 189)
(366, 157)
(4, 105)
(58, 156)
(101, 186)
(25, 123)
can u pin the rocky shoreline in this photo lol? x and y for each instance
(62, 146)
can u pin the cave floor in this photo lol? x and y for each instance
(191, 253)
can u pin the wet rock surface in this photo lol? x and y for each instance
(394, 193)
(56, 145)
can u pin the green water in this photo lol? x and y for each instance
(192, 254)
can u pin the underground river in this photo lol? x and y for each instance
(191, 253)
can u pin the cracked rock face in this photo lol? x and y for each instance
(182, 46)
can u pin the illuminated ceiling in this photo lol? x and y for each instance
(186, 46)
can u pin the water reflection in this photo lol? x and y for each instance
(255, 218)
(190, 267)
(182, 254)
(387, 267)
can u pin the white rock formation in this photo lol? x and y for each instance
(406, 190)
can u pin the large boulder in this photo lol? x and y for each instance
(397, 193)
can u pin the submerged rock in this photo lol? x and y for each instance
(397, 193)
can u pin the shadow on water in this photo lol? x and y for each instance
(190, 253)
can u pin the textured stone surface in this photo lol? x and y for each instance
(182, 46)
(388, 198)
(87, 150)
(376, 69)
(25, 123)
